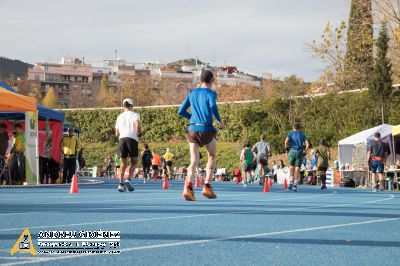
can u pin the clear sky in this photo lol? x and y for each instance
(255, 35)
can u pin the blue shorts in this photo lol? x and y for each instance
(377, 167)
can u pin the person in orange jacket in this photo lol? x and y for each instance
(155, 164)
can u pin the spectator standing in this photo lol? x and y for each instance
(275, 171)
(19, 157)
(4, 146)
(45, 172)
(116, 164)
(70, 146)
(323, 156)
(376, 158)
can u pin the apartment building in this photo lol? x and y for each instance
(72, 80)
(229, 76)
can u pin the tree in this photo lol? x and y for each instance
(388, 11)
(290, 86)
(49, 99)
(240, 92)
(104, 97)
(332, 51)
(359, 50)
(141, 95)
(381, 81)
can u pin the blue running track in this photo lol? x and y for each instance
(242, 227)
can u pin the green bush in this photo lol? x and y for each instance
(332, 117)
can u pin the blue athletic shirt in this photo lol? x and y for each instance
(203, 103)
(296, 139)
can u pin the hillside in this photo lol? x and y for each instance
(12, 67)
(184, 62)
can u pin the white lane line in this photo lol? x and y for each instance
(17, 258)
(138, 220)
(203, 203)
(305, 197)
(190, 216)
(80, 199)
(192, 242)
(194, 216)
(112, 222)
(319, 206)
(352, 204)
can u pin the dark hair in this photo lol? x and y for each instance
(206, 76)
(377, 135)
(262, 136)
(146, 146)
(246, 145)
(296, 125)
(127, 105)
(18, 126)
(2, 125)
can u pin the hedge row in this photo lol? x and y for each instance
(332, 117)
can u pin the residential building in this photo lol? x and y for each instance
(72, 80)
(229, 76)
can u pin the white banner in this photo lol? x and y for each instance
(31, 148)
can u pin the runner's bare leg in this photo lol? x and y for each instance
(373, 180)
(123, 164)
(194, 161)
(297, 174)
(212, 159)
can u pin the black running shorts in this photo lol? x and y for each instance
(128, 147)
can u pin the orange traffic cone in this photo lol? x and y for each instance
(203, 180)
(285, 186)
(197, 182)
(266, 185)
(74, 185)
(165, 183)
(270, 182)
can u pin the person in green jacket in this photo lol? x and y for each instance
(323, 154)
(247, 159)
(116, 164)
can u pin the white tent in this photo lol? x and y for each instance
(348, 145)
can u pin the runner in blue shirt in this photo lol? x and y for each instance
(203, 104)
(294, 143)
